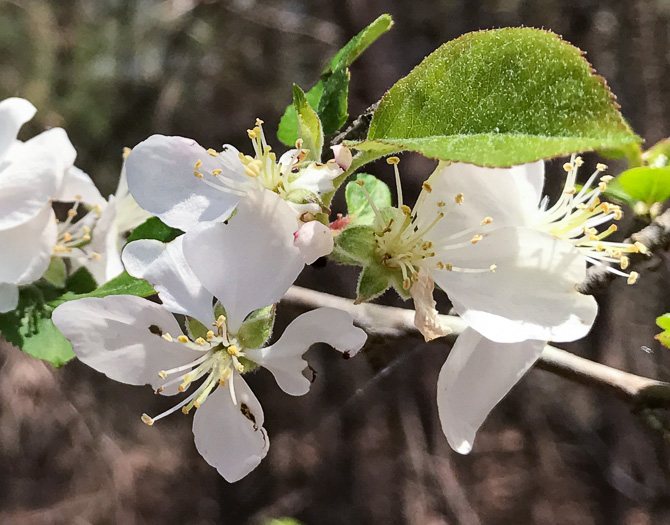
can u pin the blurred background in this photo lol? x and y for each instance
(365, 446)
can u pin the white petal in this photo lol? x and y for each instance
(165, 267)
(477, 375)
(114, 335)
(9, 297)
(509, 196)
(26, 250)
(531, 294)
(342, 156)
(160, 178)
(227, 438)
(314, 239)
(251, 261)
(14, 113)
(105, 242)
(323, 325)
(318, 178)
(31, 174)
(426, 317)
(77, 185)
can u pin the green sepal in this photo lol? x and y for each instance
(499, 98)
(373, 281)
(56, 273)
(357, 244)
(196, 329)
(664, 323)
(309, 125)
(219, 311)
(358, 206)
(302, 196)
(154, 228)
(257, 328)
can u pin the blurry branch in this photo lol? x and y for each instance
(654, 237)
(390, 322)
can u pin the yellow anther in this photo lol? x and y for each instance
(641, 248)
(220, 321)
(86, 229)
(441, 204)
(239, 367)
(632, 278)
(147, 420)
(71, 212)
(570, 191)
(492, 268)
(406, 209)
(625, 261)
(487, 220)
(252, 133)
(95, 255)
(182, 339)
(427, 245)
(184, 410)
(198, 164)
(197, 174)
(233, 350)
(78, 197)
(210, 335)
(126, 152)
(298, 144)
(392, 160)
(601, 167)
(222, 383)
(602, 186)
(459, 198)
(67, 237)
(360, 183)
(618, 214)
(606, 179)
(476, 238)
(568, 167)
(212, 152)
(449, 267)
(440, 265)
(579, 162)
(86, 238)
(216, 172)
(162, 374)
(200, 341)
(167, 337)
(406, 284)
(427, 187)
(259, 122)
(253, 169)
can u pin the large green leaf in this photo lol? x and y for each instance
(499, 98)
(309, 125)
(330, 93)
(154, 228)
(646, 184)
(358, 206)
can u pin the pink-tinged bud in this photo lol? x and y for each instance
(340, 224)
(343, 156)
(314, 240)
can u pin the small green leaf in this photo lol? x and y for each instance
(646, 184)
(257, 328)
(499, 98)
(333, 85)
(358, 205)
(30, 328)
(219, 310)
(373, 281)
(154, 228)
(195, 328)
(309, 125)
(664, 323)
(56, 272)
(124, 284)
(357, 244)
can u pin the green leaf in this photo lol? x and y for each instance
(56, 272)
(357, 244)
(124, 284)
(195, 328)
(646, 184)
(154, 228)
(81, 281)
(617, 192)
(664, 323)
(358, 205)
(631, 152)
(257, 328)
(499, 98)
(30, 328)
(333, 86)
(373, 281)
(309, 125)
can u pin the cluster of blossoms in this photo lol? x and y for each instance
(508, 262)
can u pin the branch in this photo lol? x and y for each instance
(391, 322)
(655, 236)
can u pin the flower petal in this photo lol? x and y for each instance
(530, 295)
(31, 174)
(318, 178)
(9, 297)
(425, 315)
(314, 239)
(120, 336)
(251, 261)
(77, 185)
(14, 113)
(231, 437)
(160, 177)
(477, 374)
(27, 248)
(323, 325)
(509, 196)
(165, 267)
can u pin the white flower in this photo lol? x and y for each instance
(31, 173)
(134, 341)
(184, 185)
(479, 372)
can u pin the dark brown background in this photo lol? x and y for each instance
(364, 447)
